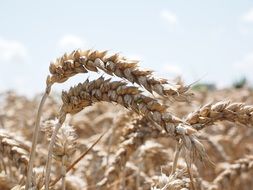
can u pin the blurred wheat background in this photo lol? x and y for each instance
(126, 95)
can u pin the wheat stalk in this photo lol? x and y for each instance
(50, 149)
(35, 137)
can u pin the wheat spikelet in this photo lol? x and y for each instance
(66, 139)
(83, 61)
(224, 110)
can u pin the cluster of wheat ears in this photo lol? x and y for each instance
(131, 131)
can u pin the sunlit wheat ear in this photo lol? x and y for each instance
(224, 110)
(83, 61)
(89, 92)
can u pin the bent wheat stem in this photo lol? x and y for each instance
(35, 138)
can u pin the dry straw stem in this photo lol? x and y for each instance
(50, 149)
(64, 147)
(233, 172)
(35, 136)
(83, 61)
(223, 110)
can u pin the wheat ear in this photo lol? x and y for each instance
(224, 110)
(84, 94)
(83, 61)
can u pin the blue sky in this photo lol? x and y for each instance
(211, 40)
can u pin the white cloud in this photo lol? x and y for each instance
(248, 16)
(69, 42)
(170, 17)
(12, 51)
(173, 69)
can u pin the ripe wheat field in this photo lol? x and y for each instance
(129, 131)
